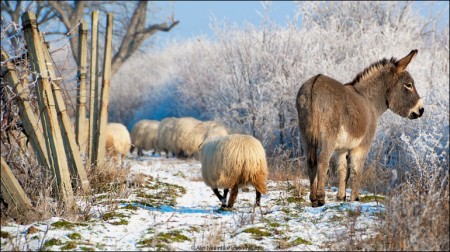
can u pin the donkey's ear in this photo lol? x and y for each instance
(403, 63)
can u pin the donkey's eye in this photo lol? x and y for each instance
(408, 85)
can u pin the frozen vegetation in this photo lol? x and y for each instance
(247, 77)
(173, 209)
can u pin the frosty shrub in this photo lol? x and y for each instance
(248, 77)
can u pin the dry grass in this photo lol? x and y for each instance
(284, 168)
(417, 214)
(111, 179)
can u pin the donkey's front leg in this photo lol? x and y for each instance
(357, 158)
(344, 174)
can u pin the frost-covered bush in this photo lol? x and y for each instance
(247, 77)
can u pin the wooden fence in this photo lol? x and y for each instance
(57, 145)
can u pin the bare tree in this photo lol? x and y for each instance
(138, 30)
(69, 14)
(137, 33)
(14, 9)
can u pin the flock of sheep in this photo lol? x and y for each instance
(229, 161)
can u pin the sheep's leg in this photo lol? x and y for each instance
(140, 153)
(222, 199)
(258, 198)
(225, 193)
(233, 195)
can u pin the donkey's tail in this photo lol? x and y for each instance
(314, 126)
(309, 119)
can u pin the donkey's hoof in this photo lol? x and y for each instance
(315, 203)
(343, 198)
(321, 202)
(354, 198)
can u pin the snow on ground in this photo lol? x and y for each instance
(175, 210)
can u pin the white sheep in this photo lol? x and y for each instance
(193, 140)
(118, 140)
(144, 136)
(182, 135)
(202, 132)
(234, 161)
(216, 131)
(165, 135)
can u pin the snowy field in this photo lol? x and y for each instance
(174, 210)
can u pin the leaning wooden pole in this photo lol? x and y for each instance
(79, 177)
(103, 120)
(81, 91)
(12, 192)
(29, 120)
(52, 131)
(93, 96)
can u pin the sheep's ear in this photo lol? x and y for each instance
(403, 63)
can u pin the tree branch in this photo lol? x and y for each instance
(136, 35)
(59, 7)
(160, 27)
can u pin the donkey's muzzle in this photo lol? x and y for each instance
(415, 115)
(417, 110)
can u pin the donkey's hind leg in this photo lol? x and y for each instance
(311, 162)
(344, 174)
(322, 170)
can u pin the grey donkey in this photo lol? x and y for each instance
(343, 118)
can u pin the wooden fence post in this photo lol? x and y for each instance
(12, 192)
(52, 131)
(105, 90)
(31, 125)
(81, 91)
(93, 104)
(72, 151)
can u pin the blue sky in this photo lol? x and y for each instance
(195, 16)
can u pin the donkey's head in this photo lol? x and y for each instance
(402, 96)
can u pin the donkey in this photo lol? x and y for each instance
(343, 118)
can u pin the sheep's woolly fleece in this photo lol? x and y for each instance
(165, 134)
(144, 134)
(191, 221)
(118, 140)
(234, 159)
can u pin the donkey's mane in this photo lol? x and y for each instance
(376, 67)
